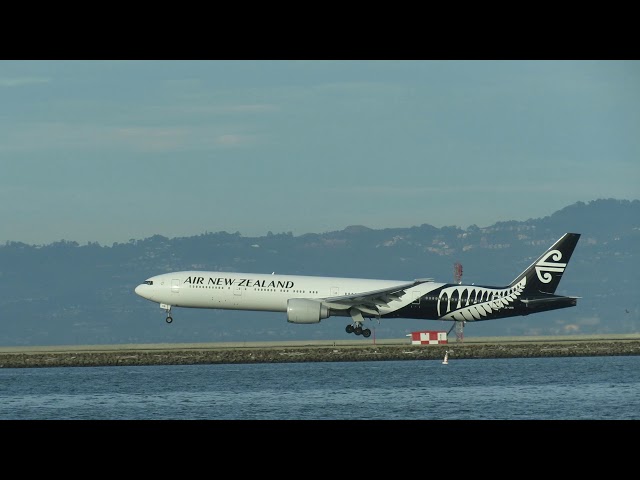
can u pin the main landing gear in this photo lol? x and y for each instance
(358, 330)
(356, 326)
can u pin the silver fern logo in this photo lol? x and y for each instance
(544, 268)
(470, 303)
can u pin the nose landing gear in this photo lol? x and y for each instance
(167, 308)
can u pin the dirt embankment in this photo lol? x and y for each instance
(184, 355)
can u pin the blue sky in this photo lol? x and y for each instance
(108, 151)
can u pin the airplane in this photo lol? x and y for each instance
(310, 299)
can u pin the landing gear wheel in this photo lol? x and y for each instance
(169, 319)
(349, 329)
(358, 330)
(366, 333)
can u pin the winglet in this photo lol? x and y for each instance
(423, 280)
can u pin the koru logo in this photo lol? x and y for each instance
(544, 267)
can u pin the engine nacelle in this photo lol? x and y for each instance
(303, 310)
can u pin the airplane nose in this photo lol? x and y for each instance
(138, 290)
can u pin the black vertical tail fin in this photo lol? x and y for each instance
(544, 275)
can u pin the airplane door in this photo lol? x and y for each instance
(236, 298)
(416, 298)
(175, 285)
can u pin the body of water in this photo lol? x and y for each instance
(568, 388)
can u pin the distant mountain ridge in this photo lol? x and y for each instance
(70, 294)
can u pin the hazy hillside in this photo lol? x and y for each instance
(65, 293)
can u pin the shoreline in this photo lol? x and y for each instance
(316, 351)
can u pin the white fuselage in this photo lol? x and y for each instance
(261, 292)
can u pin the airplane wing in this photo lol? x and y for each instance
(368, 302)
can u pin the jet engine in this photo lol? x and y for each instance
(303, 310)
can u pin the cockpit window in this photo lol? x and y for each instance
(149, 282)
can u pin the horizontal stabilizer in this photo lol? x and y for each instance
(554, 299)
